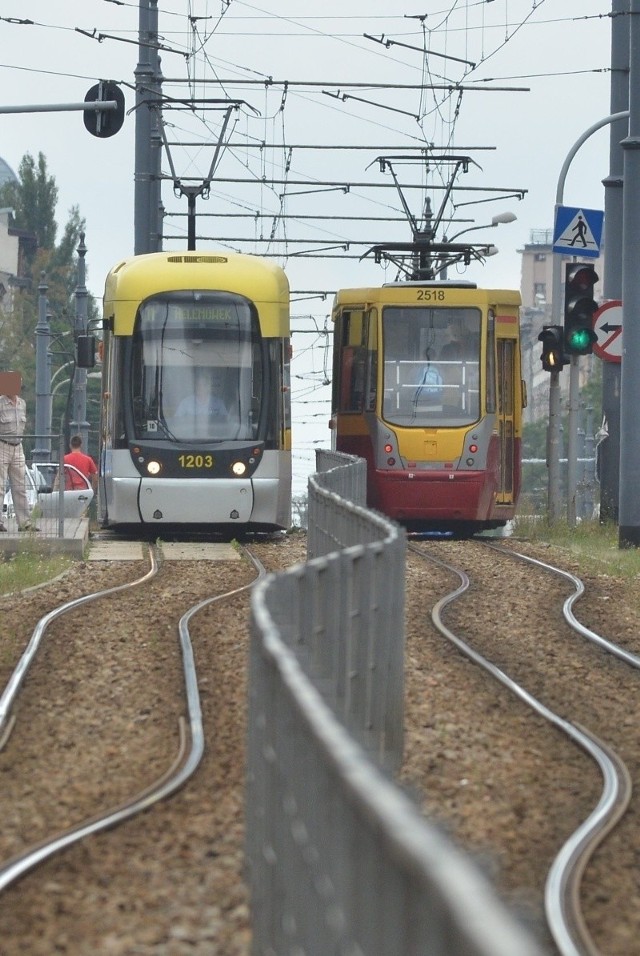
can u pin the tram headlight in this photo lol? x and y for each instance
(154, 467)
(238, 468)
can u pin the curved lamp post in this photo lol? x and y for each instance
(501, 217)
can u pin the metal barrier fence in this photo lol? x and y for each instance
(345, 476)
(55, 509)
(534, 497)
(341, 862)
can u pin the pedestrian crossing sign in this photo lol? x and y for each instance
(578, 231)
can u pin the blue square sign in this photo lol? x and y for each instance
(577, 231)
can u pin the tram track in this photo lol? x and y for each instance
(183, 597)
(520, 660)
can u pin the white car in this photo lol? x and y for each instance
(76, 500)
(41, 491)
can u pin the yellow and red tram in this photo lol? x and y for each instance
(427, 388)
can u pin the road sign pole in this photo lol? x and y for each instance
(556, 268)
(553, 449)
(572, 440)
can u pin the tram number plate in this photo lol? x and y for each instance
(196, 461)
(430, 295)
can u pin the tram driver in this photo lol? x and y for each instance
(459, 358)
(201, 410)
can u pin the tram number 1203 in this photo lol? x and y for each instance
(195, 461)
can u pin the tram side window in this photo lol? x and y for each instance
(353, 363)
(352, 379)
(372, 378)
(491, 362)
(116, 407)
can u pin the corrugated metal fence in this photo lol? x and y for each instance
(340, 860)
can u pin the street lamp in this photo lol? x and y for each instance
(502, 217)
(491, 250)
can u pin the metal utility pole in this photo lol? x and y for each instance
(557, 296)
(553, 448)
(79, 423)
(42, 450)
(609, 449)
(629, 522)
(148, 140)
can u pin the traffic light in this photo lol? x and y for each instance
(579, 306)
(553, 357)
(104, 123)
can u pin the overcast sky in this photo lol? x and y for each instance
(536, 76)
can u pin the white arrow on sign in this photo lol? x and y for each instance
(607, 324)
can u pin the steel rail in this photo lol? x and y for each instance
(20, 671)
(562, 903)
(190, 752)
(567, 608)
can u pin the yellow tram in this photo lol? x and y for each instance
(196, 418)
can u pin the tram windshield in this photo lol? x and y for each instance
(431, 365)
(197, 369)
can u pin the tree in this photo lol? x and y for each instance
(34, 198)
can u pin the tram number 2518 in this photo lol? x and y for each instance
(430, 295)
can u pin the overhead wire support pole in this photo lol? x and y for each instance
(608, 448)
(406, 147)
(349, 85)
(147, 185)
(95, 107)
(252, 181)
(629, 519)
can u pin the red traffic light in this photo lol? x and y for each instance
(580, 278)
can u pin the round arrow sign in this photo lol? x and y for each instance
(607, 324)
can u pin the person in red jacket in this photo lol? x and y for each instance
(84, 463)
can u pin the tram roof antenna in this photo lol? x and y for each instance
(384, 164)
(426, 234)
(421, 264)
(192, 192)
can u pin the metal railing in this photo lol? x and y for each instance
(340, 860)
(55, 511)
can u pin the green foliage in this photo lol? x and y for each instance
(594, 543)
(27, 569)
(33, 199)
(534, 439)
